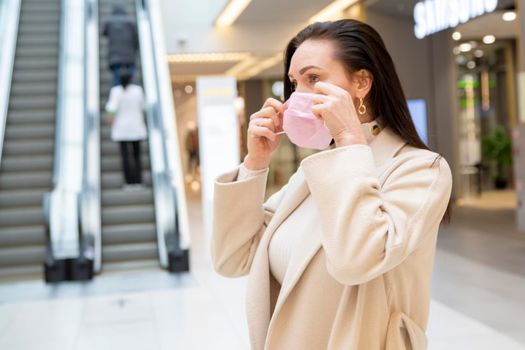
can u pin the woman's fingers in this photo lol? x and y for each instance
(329, 89)
(261, 131)
(268, 113)
(277, 106)
(272, 102)
(319, 98)
(318, 110)
(266, 122)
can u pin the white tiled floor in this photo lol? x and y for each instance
(206, 316)
(201, 310)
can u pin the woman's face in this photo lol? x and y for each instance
(314, 61)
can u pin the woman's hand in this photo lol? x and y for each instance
(111, 118)
(262, 140)
(335, 106)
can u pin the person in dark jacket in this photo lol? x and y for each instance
(121, 31)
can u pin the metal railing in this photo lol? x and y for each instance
(9, 17)
(168, 188)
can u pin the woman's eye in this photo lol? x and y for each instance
(313, 79)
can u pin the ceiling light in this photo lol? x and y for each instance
(509, 16)
(489, 39)
(188, 89)
(208, 57)
(478, 53)
(231, 12)
(465, 47)
(456, 36)
(331, 10)
(471, 64)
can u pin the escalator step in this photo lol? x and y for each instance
(31, 117)
(25, 180)
(26, 167)
(130, 214)
(36, 63)
(118, 197)
(43, 147)
(124, 234)
(22, 236)
(119, 267)
(125, 252)
(114, 163)
(115, 180)
(128, 218)
(30, 76)
(22, 198)
(25, 103)
(17, 273)
(31, 132)
(22, 255)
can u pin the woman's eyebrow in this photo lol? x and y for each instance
(304, 69)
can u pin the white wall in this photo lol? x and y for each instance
(410, 55)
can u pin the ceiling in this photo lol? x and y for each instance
(265, 26)
(491, 23)
(187, 71)
(268, 11)
(398, 8)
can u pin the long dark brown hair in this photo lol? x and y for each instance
(359, 46)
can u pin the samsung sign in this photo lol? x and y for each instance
(431, 16)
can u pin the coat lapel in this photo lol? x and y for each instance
(384, 147)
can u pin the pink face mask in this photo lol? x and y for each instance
(302, 127)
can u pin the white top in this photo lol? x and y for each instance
(286, 236)
(127, 104)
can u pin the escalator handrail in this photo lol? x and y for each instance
(9, 18)
(170, 204)
(90, 214)
(69, 133)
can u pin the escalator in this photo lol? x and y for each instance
(27, 159)
(129, 238)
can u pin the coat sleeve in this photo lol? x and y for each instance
(240, 217)
(367, 229)
(113, 101)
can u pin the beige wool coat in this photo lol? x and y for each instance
(360, 280)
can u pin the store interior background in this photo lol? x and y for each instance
(448, 75)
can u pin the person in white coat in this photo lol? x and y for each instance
(125, 111)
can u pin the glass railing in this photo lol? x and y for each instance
(9, 14)
(170, 202)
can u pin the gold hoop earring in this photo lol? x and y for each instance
(362, 108)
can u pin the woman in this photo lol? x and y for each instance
(341, 257)
(124, 107)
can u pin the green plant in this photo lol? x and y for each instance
(498, 147)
